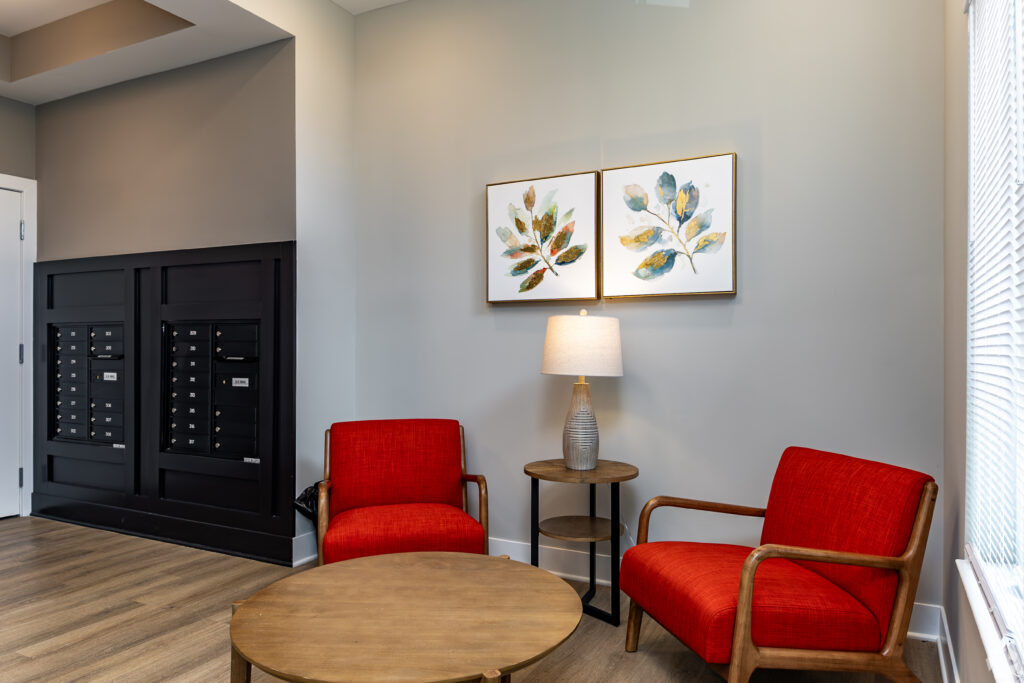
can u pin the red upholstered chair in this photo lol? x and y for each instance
(396, 486)
(831, 587)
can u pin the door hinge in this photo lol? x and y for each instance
(22, 231)
(21, 477)
(21, 354)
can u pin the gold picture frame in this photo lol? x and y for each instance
(542, 242)
(664, 226)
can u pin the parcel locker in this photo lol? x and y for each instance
(167, 378)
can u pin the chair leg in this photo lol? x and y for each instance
(740, 672)
(636, 615)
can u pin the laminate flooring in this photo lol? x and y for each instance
(81, 604)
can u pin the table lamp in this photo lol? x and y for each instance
(581, 345)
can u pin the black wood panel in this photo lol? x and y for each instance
(237, 305)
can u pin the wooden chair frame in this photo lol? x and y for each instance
(324, 495)
(746, 656)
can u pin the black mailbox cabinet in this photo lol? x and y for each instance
(165, 397)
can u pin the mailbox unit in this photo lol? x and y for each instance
(165, 398)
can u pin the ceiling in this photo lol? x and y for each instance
(359, 6)
(17, 16)
(220, 27)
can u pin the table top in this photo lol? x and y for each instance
(439, 617)
(606, 472)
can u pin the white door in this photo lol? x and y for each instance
(10, 338)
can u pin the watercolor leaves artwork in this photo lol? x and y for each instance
(665, 225)
(539, 236)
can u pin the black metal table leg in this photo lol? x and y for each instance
(615, 553)
(611, 617)
(589, 595)
(534, 519)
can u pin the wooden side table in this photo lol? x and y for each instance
(589, 529)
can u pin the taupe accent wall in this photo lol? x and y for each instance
(17, 138)
(196, 157)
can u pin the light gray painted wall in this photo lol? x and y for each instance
(324, 228)
(17, 138)
(200, 156)
(835, 111)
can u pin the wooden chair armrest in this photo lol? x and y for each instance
(743, 643)
(792, 552)
(322, 517)
(689, 504)
(481, 484)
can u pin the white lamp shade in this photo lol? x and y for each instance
(586, 345)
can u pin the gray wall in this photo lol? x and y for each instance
(17, 138)
(835, 111)
(195, 157)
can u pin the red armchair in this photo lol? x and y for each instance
(395, 486)
(831, 587)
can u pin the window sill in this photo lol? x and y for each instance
(994, 652)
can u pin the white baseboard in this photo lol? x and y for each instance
(304, 549)
(568, 563)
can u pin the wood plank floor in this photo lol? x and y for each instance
(79, 604)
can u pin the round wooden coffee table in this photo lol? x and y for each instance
(404, 617)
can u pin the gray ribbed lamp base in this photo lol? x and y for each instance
(579, 438)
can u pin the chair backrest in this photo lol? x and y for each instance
(835, 502)
(385, 462)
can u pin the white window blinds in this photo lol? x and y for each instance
(995, 325)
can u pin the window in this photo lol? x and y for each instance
(995, 305)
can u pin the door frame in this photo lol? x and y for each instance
(27, 188)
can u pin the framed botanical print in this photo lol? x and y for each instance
(542, 239)
(669, 228)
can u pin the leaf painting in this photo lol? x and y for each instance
(678, 226)
(541, 241)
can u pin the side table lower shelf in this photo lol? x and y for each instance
(582, 529)
(588, 529)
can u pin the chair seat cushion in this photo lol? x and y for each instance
(404, 528)
(692, 590)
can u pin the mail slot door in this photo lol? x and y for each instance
(193, 411)
(190, 364)
(71, 403)
(101, 348)
(72, 347)
(71, 333)
(73, 416)
(107, 405)
(190, 348)
(71, 375)
(69, 361)
(183, 424)
(189, 442)
(69, 430)
(190, 379)
(224, 446)
(69, 389)
(185, 333)
(106, 333)
(106, 434)
(238, 332)
(107, 419)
